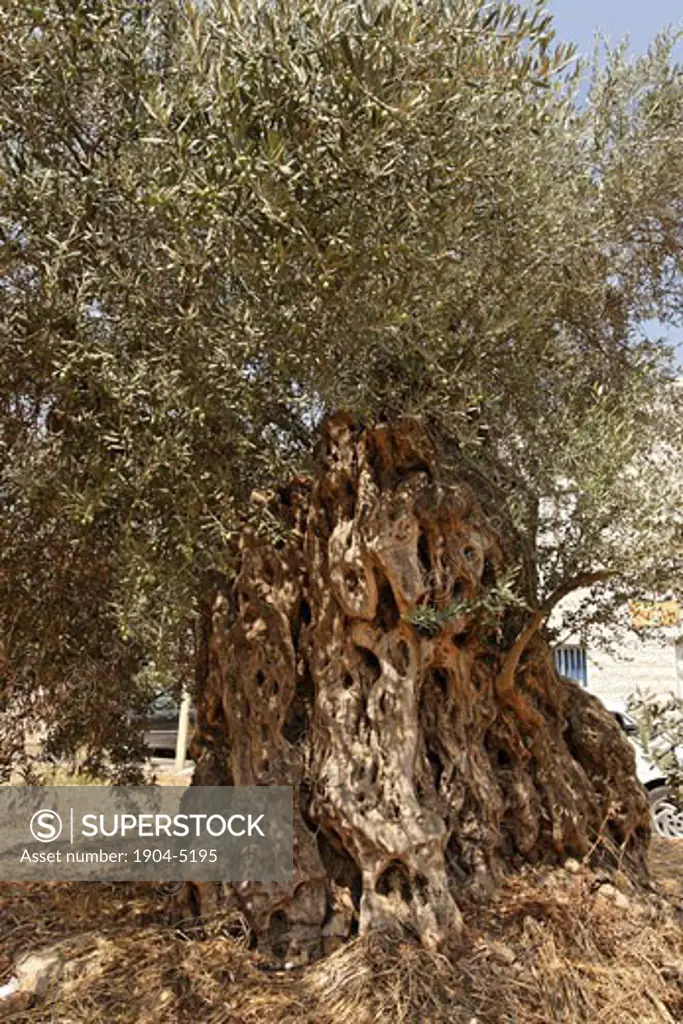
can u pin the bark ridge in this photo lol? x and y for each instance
(355, 660)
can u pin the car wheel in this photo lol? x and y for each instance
(667, 814)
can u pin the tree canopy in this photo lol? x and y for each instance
(221, 221)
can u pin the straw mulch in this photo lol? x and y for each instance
(554, 946)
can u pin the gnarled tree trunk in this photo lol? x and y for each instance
(351, 660)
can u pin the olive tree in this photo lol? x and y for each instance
(223, 223)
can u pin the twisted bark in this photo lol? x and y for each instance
(351, 659)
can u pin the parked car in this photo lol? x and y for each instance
(162, 723)
(667, 813)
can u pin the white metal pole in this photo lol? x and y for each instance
(183, 730)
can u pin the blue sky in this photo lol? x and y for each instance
(577, 21)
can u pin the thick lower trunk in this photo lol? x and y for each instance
(356, 659)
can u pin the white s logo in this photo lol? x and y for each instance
(46, 826)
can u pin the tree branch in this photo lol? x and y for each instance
(582, 579)
(505, 680)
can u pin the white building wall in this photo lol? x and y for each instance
(651, 667)
(625, 660)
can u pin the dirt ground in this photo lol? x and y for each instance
(554, 946)
(666, 865)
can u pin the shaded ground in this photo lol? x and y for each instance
(554, 946)
(160, 768)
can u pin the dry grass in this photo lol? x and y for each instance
(666, 865)
(550, 949)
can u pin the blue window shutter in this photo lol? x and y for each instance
(572, 662)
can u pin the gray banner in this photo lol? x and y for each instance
(153, 833)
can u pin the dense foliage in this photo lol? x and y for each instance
(220, 221)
